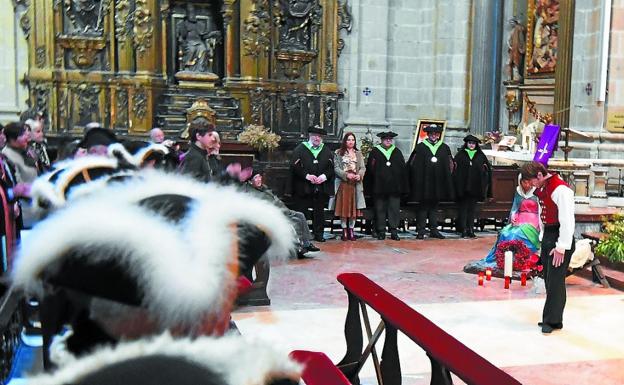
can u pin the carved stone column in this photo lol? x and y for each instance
(485, 66)
(563, 71)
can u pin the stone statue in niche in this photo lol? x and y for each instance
(196, 44)
(86, 16)
(302, 17)
(516, 47)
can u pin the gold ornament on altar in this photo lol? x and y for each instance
(199, 109)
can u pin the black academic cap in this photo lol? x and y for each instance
(97, 136)
(387, 134)
(472, 138)
(317, 130)
(433, 128)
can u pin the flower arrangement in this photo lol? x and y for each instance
(612, 247)
(259, 137)
(366, 144)
(523, 258)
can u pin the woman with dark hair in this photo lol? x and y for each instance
(349, 200)
(473, 183)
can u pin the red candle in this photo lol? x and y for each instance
(507, 282)
(480, 278)
(523, 279)
(488, 274)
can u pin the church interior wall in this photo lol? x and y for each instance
(413, 57)
(13, 63)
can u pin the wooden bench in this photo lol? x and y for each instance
(446, 353)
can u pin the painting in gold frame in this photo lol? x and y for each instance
(420, 130)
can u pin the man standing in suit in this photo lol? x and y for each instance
(312, 178)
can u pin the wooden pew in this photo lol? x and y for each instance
(446, 353)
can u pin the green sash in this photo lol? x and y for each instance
(387, 153)
(471, 153)
(314, 151)
(433, 147)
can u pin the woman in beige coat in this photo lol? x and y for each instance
(349, 167)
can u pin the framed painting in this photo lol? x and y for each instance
(420, 130)
(542, 37)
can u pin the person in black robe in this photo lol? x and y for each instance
(431, 181)
(312, 178)
(386, 181)
(473, 183)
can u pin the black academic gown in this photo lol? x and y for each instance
(472, 178)
(303, 163)
(431, 181)
(383, 179)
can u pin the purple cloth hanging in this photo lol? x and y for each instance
(547, 144)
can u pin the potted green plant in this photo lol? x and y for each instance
(611, 248)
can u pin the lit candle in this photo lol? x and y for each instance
(523, 279)
(507, 282)
(488, 274)
(480, 278)
(508, 263)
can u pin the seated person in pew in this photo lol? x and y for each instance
(524, 225)
(257, 187)
(144, 256)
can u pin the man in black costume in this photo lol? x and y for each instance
(196, 162)
(473, 183)
(385, 180)
(312, 178)
(430, 168)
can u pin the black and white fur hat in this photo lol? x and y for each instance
(162, 240)
(228, 360)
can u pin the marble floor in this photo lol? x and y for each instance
(309, 306)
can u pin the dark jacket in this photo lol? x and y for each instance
(429, 180)
(197, 164)
(383, 179)
(303, 163)
(472, 178)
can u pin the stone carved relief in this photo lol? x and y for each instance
(260, 106)
(345, 21)
(63, 103)
(41, 95)
(257, 30)
(85, 50)
(25, 24)
(311, 111)
(139, 103)
(329, 110)
(329, 67)
(87, 96)
(143, 27)
(123, 21)
(20, 8)
(299, 20)
(121, 106)
(86, 16)
(291, 104)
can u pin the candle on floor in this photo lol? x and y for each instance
(488, 274)
(507, 282)
(508, 263)
(523, 278)
(480, 278)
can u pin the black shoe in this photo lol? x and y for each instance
(319, 238)
(471, 234)
(301, 255)
(394, 236)
(547, 329)
(420, 236)
(381, 236)
(554, 326)
(437, 234)
(311, 247)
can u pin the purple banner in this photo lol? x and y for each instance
(547, 144)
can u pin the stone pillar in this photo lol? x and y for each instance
(487, 37)
(367, 76)
(599, 193)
